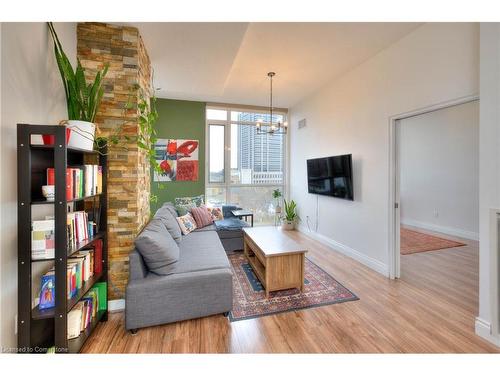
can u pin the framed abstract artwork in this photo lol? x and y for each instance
(178, 160)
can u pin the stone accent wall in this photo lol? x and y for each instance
(128, 169)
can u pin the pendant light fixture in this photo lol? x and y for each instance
(270, 127)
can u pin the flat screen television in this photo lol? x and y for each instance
(331, 176)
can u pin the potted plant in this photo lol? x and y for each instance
(82, 99)
(277, 195)
(291, 216)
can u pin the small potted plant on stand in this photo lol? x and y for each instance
(277, 195)
(291, 216)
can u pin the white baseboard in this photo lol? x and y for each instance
(374, 264)
(483, 330)
(115, 305)
(446, 230)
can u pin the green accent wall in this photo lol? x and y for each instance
(180, 119)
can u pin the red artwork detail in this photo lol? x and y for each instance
(187, 148)
(172, 148)
(165, 166)
(187, 170)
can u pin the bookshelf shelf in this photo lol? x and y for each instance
(49, 327)
(68, 149)
(42, 201)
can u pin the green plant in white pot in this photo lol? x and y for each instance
(290, 217)
(82, 99)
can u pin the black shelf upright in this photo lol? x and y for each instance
(41, 329)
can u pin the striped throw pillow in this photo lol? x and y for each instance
(201, 216)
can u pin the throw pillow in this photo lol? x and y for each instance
(164, 214)
(183, 209)
(197, 200)
(187, 223)
(216, 213)
(158, 248)
(201, 216)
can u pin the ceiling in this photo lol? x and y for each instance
(228, 62)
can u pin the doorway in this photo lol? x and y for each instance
(432, 181)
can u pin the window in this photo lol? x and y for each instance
(216, 156)
(245, 167)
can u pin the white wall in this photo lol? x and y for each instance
(435, 63)
(487, 323)
(31, 92)
(439, 164)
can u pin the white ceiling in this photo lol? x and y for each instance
(228, 62)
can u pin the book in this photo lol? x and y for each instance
(99, 179)
(43, 239)
(95, 169)
(88, 180)
(78, 262)
(47, 291)
(74, 320)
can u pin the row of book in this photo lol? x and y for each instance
(86, 310)
(82, 181)
(81, 266)
(79, 228)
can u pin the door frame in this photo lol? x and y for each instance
(394, 173)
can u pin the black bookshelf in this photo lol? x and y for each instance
(47, 328)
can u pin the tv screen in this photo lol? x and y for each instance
(331, 176)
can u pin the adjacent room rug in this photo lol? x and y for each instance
(249, 298)
(417, 242)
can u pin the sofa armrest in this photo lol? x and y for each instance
(137, 268)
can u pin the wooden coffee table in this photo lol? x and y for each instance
(278, 261)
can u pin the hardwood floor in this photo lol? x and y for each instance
(430, 309)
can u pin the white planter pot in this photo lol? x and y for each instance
(82, 134)
(287, 225)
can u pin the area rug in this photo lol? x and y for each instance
(249, 298)
(417, 242)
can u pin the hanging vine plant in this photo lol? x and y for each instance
(146, 137)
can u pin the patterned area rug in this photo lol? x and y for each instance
(417, 242)
(249, 299)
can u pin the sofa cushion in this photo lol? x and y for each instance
(202, 216)
(201, 251)
(164, 214)
(231, 224)
(186, 223)
(216, 213)
(184, 209)
(157, 248)
(210, 227)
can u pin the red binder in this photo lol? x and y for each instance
(98, 257)
(51, 180)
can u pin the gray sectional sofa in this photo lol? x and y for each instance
(175, 277)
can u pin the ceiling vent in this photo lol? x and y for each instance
(302, 123)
